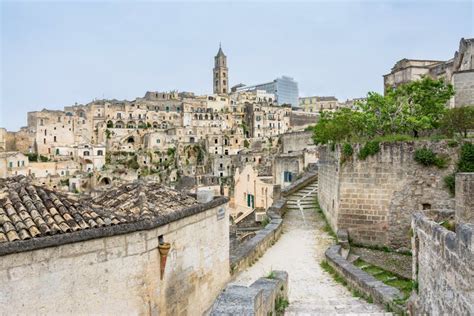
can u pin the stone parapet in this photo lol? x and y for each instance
(464, 198)
(260, 298)
(356, 278)
(443, 266)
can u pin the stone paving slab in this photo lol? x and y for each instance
(299, 251)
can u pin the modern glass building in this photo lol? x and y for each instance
(284, 88)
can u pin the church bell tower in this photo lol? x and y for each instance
(220, 73)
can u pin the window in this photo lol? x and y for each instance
(45, 132)
(100, 153)
(250, 200)
(57, 151)
(287, 176)
(157, 141)
(10, 164)
(215, 141)
(86, 153)
(54, 138)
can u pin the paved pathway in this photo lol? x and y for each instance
(299, 251)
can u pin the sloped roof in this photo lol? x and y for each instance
(28, 211)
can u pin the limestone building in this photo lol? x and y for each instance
(459, 71)
(106, 257)
(220, 73)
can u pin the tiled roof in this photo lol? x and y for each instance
(143, 200)
(28, 211)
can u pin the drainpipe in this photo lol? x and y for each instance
(163, 248)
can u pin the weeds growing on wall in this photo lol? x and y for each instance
(347, 152)
(370, 149)
(427, 157)
(465, 164)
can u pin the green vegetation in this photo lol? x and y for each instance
(34, 157)
(271, 275)
(347, 152)
(414, 108)
(404, 285)
(246, 143)
(280, 305)
(327, 228)
(265, 222)
(465, 164)
(107, 133)
(427, 157)
(110, 124)
(458, 121)
(133, 163)
(369, 149)
(340, 279)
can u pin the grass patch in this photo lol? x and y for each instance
(338, 278)
(280, 305)
(326, 228)
(341, 280)
(405, 286)
(271, 275)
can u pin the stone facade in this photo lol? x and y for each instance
(221, 73)
(443, 267)
(458, 71)
(464, 83)
(464, 198)
(120, 274)
(371, 197)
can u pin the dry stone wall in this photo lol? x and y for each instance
(443, 267)
(374, 198)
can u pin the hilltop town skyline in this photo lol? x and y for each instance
(124, 60)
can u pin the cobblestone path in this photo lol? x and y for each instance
(299, 251)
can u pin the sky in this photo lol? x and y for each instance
(57, 53)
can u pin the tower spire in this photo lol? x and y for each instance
(220, 73)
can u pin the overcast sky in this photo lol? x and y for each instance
(57, 53)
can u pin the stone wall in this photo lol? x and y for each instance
(443, 267)
(463, 82)
(299, 120)
(371, 197)
(120, 274)
(296, 141)
(464, 198)
(259, 299)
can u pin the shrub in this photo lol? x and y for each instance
(466, 160)
(450, 183)
(370, 148)
(347, 150)
(427, 157)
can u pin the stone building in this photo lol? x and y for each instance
(109, 256)
(374, 198)
(253, 193)
(459, 71)
(220, 73)
(316, 104)
(442, 259)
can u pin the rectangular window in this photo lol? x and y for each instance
(287, 176)
(250, 201)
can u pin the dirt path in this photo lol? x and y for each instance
(299, 251)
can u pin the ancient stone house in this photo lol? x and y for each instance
(60, 255)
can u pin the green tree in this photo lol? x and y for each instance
(458, 121)
(337, 126)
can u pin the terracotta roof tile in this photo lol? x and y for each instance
(28, 211)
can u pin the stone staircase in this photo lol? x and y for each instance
(340, 306)
(321, 302)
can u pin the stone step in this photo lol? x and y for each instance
(352, 258)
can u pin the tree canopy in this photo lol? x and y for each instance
(410, 109)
